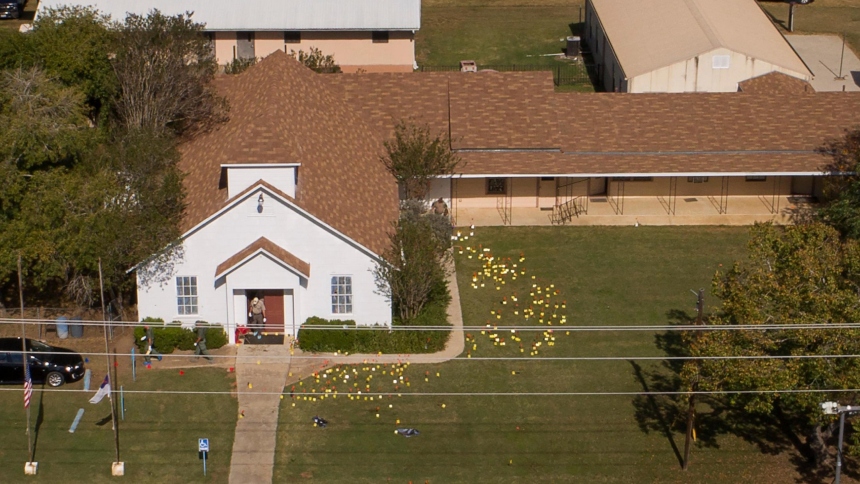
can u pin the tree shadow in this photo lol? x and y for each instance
(716, 416)
(804, 210)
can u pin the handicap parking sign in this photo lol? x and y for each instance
(203, 445)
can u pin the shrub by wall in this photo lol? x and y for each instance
(173, 336)
(362, 339)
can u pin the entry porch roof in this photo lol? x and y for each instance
(264, 246)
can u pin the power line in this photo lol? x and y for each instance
(456, 394)
(493, 327)
(405, 357)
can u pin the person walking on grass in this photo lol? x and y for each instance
(149, 341)
(200, 344)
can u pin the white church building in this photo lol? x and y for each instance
(286, 201)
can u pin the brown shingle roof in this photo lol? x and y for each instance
(701, 122)
(274, 249)
(503, 110)
(775, 82)
(280, 112)
(487, 109)
(721, 132)
(333, 125)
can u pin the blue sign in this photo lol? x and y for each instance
(203, 445)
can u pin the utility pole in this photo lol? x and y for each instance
(691, 410)
(791, 16)
(24, 354)
(833, 408)
(107, 362)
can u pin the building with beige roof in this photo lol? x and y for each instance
(685, 45)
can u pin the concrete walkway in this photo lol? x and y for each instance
(823, 55)
(259, 385)
(269, 368)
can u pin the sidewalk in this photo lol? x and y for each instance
(269, 369)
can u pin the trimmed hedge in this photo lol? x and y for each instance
(172, 336)
(364, 339)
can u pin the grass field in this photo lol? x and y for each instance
(605, 276)
(158, 438)
(821, 17)
(492, 35)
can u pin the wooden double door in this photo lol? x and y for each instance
(279, 309)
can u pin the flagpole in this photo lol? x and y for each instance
(107, 362)
(24, 354)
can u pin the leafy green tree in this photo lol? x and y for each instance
(415, 157)
(42, 122)
(412, 269)
(240, 65)
(797, 275)
(72, 45)
(843, 212)
(43, 126)
(315, 60)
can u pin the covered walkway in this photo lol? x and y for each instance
(603, 210)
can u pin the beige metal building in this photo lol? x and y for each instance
(685, 45)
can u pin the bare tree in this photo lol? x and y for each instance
(165, 66)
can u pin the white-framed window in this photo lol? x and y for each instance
(721, 61)
(186, 295)
(341, 294)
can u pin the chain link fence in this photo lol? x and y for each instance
(578, 74)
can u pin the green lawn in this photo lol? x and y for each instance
(158, 438)
(496, 34)
(605, 276)
(492, 35)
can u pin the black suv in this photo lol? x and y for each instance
(48, 364)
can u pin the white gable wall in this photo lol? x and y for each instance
(327, 253)
(282, 177)
(697, 74)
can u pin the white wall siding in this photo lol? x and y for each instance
(241, 177)
(699, 75)
(327, 253)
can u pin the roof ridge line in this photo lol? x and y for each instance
(710, 33)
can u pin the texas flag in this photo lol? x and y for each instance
(104, 389)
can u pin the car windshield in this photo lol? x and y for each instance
(39, 347)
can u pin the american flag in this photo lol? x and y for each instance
(28, 386)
